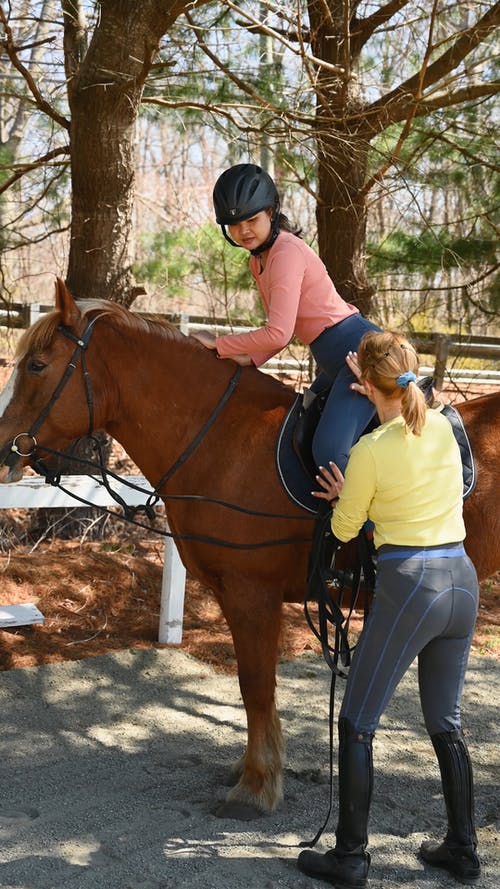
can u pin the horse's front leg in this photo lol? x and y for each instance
(255, 628)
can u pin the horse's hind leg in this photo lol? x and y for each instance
(255, 633)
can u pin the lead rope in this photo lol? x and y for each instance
(330, 614)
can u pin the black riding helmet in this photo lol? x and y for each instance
(243, 191)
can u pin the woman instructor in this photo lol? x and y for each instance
(406, 476)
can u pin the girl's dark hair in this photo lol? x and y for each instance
(285, 225)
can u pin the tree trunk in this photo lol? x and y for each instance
(102, 160)
(342, 153)
(105, 84)
(104, 100)
(105, 89)
(341, 215)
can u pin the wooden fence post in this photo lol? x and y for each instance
(442, 347)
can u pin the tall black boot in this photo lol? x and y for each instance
(346, 866)
(457, 853)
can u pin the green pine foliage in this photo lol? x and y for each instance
(172, 259)
(428, 252)
(445, 192)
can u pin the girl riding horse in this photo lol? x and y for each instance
(299, 298)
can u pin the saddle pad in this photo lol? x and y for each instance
(297, 484)
(468, 463)
(295, 481)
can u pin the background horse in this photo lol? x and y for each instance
(152, 389)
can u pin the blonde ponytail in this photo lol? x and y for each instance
(390, 363)
(413, 408)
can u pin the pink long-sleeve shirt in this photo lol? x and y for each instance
(299, 297)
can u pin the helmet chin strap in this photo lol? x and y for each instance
(268, 244)
(228, 239)
(263, 247)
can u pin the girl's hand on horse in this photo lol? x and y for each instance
(206, 338)
(353, 365)
(244, 360)
(331, 480)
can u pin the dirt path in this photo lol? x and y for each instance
(110, 768)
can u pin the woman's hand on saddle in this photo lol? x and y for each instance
(331, 481)
(353, 365)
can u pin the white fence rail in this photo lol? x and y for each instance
(33, 493)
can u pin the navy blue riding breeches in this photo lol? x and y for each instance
(425, 606)
(346, 413)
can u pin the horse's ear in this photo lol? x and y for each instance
(70, 313)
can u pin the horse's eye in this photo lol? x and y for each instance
(35, 366)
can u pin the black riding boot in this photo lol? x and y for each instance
(457, 853)
(346, 866)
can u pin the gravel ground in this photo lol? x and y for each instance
(110, 769)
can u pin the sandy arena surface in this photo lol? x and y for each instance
(114, 751)
(110, 768)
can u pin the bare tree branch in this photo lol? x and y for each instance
(264, 104)
(265, 29)
(27, 168)
(363, 30)
(34, 45)
(458, 96)
(460, 149)
(218, 110)
(446, 287)
(40, 102)
(412, 112)
(394, 105)
(446, 99)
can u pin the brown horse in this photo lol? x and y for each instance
(152, 389)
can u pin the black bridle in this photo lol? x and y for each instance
(81, 345)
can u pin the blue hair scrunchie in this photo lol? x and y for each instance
(404, 379)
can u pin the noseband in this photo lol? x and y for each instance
(79, 354)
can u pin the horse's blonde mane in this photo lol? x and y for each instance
(40, 335)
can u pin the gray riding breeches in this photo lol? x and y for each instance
(425, 606)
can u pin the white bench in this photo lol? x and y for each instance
(33, 493)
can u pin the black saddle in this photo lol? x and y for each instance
(307, 420)
(312, 408)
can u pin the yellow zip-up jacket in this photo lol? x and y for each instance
(409, 486)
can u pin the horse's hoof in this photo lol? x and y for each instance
(238, 811)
